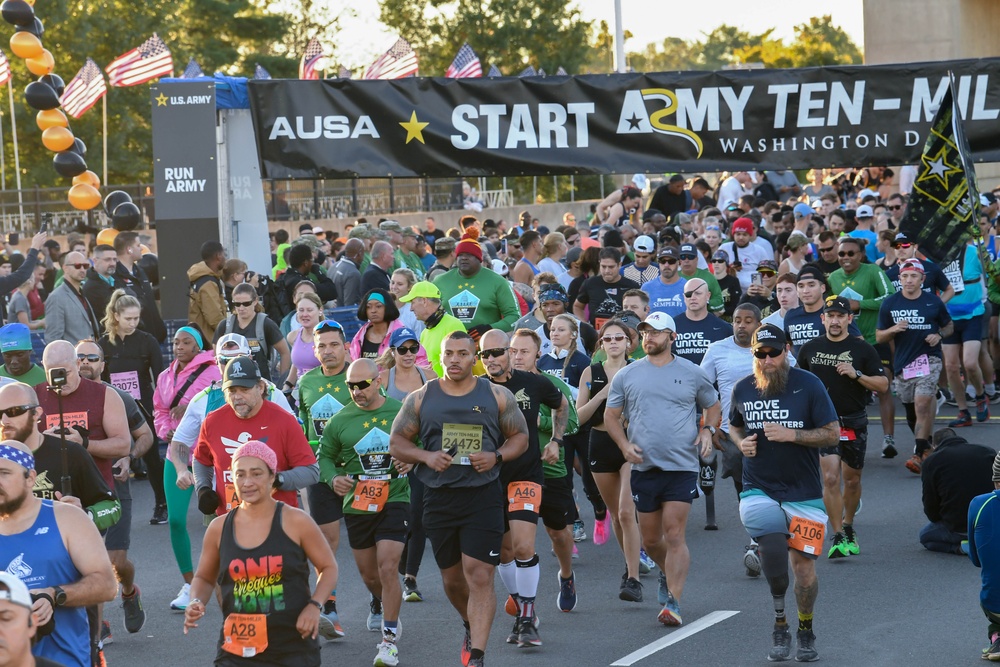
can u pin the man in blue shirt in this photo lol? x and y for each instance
(864, 216)
(666, 293)
(984, 529)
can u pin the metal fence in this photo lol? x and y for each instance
(21, 211)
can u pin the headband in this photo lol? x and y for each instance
(23, 459)
(194, 334)
(553, 295)
(375, 296)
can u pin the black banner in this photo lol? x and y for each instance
(618, 123)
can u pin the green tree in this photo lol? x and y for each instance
(819, 42)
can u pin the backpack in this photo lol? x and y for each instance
(271, 299)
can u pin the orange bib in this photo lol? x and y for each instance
(806, 535)
(524, 496)
(370, 495)
(245, 635)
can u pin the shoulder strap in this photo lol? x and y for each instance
(260, 329)
(198, 284)
(230, 323)
(187, 385)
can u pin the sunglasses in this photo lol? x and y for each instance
(830, 249)
(847, 253)
(688, 256)
(550, 286)
(328, 325)
(493, 352)
(17, 410)
(408, 349)
(894, 208)
(718, 261)
(713, 228)
(359, 386)
(667, 260)
(617, 338)
(765, 272)
(688, 295)
(760, 354)
(81, 266)
(243, 304)
(92, 358)
(902, 245)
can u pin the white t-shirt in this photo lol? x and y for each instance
(730, 192)
(750, 257)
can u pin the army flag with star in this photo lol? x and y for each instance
(943, 211)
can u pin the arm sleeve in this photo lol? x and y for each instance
(883, 288)
(202, 450)
(204, 475)
(300, 477)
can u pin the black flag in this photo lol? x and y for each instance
(942, 215)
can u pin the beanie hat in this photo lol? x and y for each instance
(470, 246)
(259, 450)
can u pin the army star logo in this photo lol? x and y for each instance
(414, 128)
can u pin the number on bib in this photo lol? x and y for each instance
(806, 535)
(524, 496)
(245, 635)
(370, 495)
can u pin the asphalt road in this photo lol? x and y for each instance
(893, 604)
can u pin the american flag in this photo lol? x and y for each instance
(307, 66)
(561, 71)
(5, 74)
(494, 71)
(344, 73)
(260, 73)
(150, 60)
(541, 72)
(83, 92)
(398, 62)
(192, 71)
(466, 64)
(528, 71)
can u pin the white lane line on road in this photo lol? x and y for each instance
(674, 637)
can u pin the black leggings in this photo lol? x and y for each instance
(416, 538)
(578, 444)
(154, 471)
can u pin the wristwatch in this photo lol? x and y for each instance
(711, 429)
(60, 595)
(499, 458)
(559, 441)
(857, 374)
(279, 480)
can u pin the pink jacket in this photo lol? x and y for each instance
(170, 382)
(355, 346)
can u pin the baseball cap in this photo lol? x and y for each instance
(408, 231)
(422, 289)
(500, 267)
(574, 254)
(14, 337)
(767, 265)
(864, 211)
(688, 251)
(721, 254)
(987, 198)
(445, 243)
(401, 335)
(639, 181)
(732, 207)
(16, 593)
(642, 244)
(802, 210)
(901, 239)
(241, 371)
(768, 335)
(912, 265)
(668, 251)
(390, 226)
(318, 230)
(810, 272)
(867, 192)
(658, 321)
(837, 304)
(744, 225)
(234, 338)
(629, 319)
(360, 232)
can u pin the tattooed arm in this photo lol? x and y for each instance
(824, 436)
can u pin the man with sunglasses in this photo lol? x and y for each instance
(864, 285)
(666, 293)
(355, 463)
(761, 290)
(68, 315)
(935, 282)
(826, 245)
(805, 322)
(523, 479)
(781, 417)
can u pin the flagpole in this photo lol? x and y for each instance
(3, 169)
(104, 120)
(17, 159)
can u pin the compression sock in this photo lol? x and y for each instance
(527, 574)
(476, 653)
(911, 416)
(508, 576)
(805, 622)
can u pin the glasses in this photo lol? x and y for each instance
(760, 354)
(688, 256)
(243, 304)
(894, 208)
(81, 266)
(328, 325)
(617, 338)
(713, 228)
(550, 286)
(667, 260)
(688, 295)
(830, 249)
(765, 272)
(16, 410)
(408, 349)
(92, 358)
(904, 246)
(359, 386)
(493, 352)
(847, 253)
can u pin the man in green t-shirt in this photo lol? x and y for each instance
(864, 285)
(15, 344)
(408, 251)
(354, 460)
(477, 296)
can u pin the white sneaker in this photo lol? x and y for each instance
(387, 656)
(180, 602)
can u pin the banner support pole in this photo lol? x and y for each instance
(17, 159)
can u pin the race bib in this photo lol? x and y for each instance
(847, 434)
(70, 419)
(245, 635)
(917, 368)
(127, 381)
(464, 306)
(953, 272)
(524, 496)
(231, 499)
(462, 441)
(370, 495)
(806, 535)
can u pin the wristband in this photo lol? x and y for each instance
(317, 604)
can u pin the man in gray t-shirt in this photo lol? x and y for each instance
(660, 395)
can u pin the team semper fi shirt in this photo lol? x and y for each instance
(223, 432)
(784, 471)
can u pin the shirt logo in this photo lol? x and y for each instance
(19, 568)
(232, 445)
(42, 531)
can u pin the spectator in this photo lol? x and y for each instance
(301, 267)
(347, 273)
(671, 198)
(431, 232)
(131, 277)
(68, 315)
(18, 310)
(377, 275)
(100, 280)
(207, 306)
(700, 197)
(786, 183)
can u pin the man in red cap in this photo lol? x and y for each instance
(744, 255)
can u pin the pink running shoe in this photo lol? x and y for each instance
(602, 530)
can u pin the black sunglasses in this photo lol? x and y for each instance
(847, 253)
(92, 358)
(894, 208)
(760, 354)
(78, 266)
(830, 249)
(17, 410)
(408, 349)
(667, 260)
(243, 304)
(493, 352)
(359, 386)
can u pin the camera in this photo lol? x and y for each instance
(56, 377)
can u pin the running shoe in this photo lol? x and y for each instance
(410, 591)
(646, 564)
(944, 398)
(511, 607)
(782, 643)
(751, 560)
(466, 648)
(889, 447)
(670, 615)
(982, 408)
(851, 540)
(159, 516)
(180, 602)
(527, 635)
(101, 662)
(807, 647)
(839, 548)
(106, 637)
(566, 600)
(994, 397)
(476, 662)
(387, 656)
(515, 632)
(992, 652)
(602, 529)
(135, 617)
(963, 419)
(915, 464)
(329, 625)
(579, 531)
(631, 589)
(662, 590)
(375, 615)
(576, 553)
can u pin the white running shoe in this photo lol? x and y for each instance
(180, 602)
(388, 655)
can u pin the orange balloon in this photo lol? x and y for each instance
(87, 178)
(42, 64)
(57, 139)
(84, 197)
(51, 118)
(145, 249)
(26, 45)
(107, 236)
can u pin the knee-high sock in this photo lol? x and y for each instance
(508, 576)
(527, 572)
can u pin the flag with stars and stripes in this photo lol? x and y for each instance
(144, 63)
(192, 71)
(399, 62)
(560, 71)
(465, 65)
(541, 72)
(528, 71)
(494, 71)
(307, 66)
(5, 75)
(259, 73)
(84, 90)
(344, 73)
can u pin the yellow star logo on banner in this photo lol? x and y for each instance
(414, 128)
(161, 100)
(937, 167)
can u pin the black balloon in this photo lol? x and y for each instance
(79, 147)
(150, 263)
(126, 217)
(56, 82)
(41, 96)
(114, 199)
(69, 164)
(17, 12)
(35, 28)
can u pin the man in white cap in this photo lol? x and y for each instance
(661, 394)
(17, 627)
(643, 269)
(864, 216)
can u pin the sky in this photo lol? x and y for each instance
(363, 38)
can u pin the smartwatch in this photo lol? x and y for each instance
(60, 595)
(499, 458)
(711, 429)
(857, 374)
(559, 441)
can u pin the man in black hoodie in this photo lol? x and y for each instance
(954, 473)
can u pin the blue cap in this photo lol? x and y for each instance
(15, 337)
(400, 336)
(802, 210)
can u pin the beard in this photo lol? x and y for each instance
(9, 505)
(773, 380)
(20, 434)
